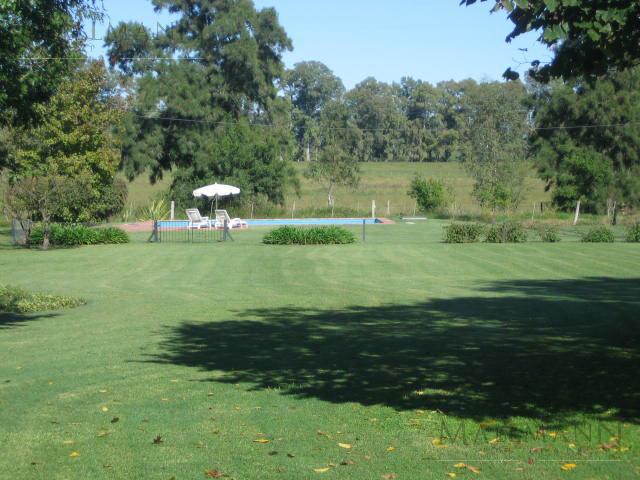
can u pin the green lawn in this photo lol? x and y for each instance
(208, 348)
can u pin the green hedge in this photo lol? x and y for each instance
(17, 300)
(548, 233)
(633, 233)
(463, 232)
(287, 235)
(76, 235)
(507, 232)
(598, 235)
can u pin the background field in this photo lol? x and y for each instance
(208, 348)
(381, 182)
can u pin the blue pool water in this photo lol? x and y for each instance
(283, 221)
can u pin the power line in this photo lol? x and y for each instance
(391, 129)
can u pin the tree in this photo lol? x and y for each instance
(495, 142)
(199, 86)
(74, 138)
(587, 142)
(429, 193)
(337, 164)
(40, 198)
(377, 112)
(589, 37)
(40, 42)
(310, 86)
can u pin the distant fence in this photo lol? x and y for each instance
(180, 231)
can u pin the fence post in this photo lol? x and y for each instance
(173, 209)
(373, 209)
(364, 230)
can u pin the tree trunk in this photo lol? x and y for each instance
(575, 219)
(307, 152)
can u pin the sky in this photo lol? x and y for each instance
(432, 40)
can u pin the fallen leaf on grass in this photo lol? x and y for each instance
(389, 476)
(214, 474)
(115, 419)
(344, 445)
(321, 470)
(391, 449)
(460, 465)
(74, 454)
(68, 442)
(103, 433)
(535, 449)
(451, 475)
(261, 440)
(473, 469)
(567, 467)
(105, 409)
(321, 433)
(494, 441)
(347, 462)
(102, 391)
(107, 465)
(290, 455)
(157, 440)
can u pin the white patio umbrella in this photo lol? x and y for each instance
(216, 191)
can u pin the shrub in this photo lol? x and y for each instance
(17, 300)
(463, 232)
(287, 235)
(598, 235)
(76, 235)
(633, 233)
(429, 193)
(549, 233)
(506, 232)
(112, 235)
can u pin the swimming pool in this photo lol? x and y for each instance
(267, 222)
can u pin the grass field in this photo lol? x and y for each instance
(353, 362)
(382, 182)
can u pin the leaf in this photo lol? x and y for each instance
(494, 440)
(321, 470)
(535, 449)
(290, 455)
(473, 469)
(103, 433)
(74, 454)
(460, 465)
(68, 442)
(436, 441)
(347, 462)
(261, 440)
(451, 475)
(214, 474)
(115, 419)
(102, 391)
(391, 449)
(389, 476)
(105, 409)
(157, 440)
(321, 433)
(567, 467)
(344, 445)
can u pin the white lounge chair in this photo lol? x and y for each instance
(222, 215)
(196, 220)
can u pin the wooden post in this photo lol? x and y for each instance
(173, 209)
(364, 230)
(252, 210)
(373, 209)
(575, 219)
(388, 208)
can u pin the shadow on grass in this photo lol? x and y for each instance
(537, 349)
(10, 320)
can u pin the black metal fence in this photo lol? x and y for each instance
(180, 231)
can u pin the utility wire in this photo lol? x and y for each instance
(265, 125)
